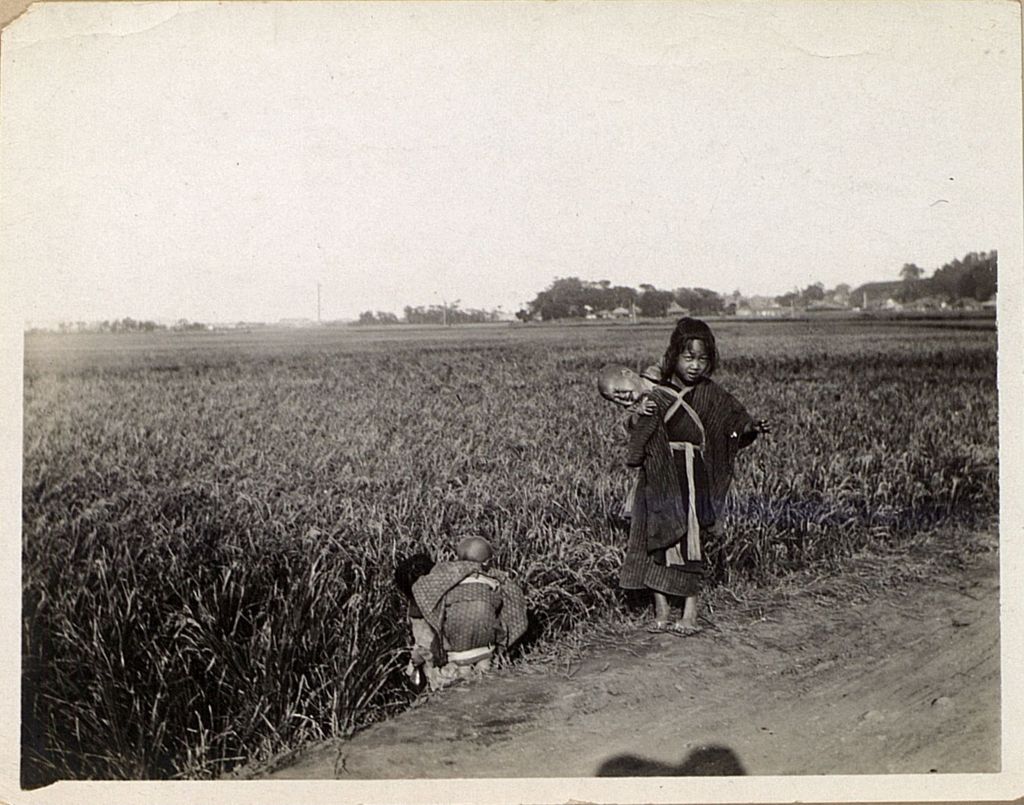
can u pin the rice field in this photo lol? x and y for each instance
(211, 520)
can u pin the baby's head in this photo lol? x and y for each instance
(474, 549)
(620, 385)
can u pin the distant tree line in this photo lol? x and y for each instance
(432, 314)
(973, 277)
(380, 317)
(125, 325)
(574, 298)
(816, 294)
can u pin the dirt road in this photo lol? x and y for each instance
(892, 676)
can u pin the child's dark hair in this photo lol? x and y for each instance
(688, 330)
(409, 569)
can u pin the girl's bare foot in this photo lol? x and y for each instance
(662, 609)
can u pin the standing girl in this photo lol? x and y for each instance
(706, 426)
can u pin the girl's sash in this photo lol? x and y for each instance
(673, 556)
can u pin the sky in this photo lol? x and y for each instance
(219, 161)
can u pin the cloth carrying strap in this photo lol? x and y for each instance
(681, 403)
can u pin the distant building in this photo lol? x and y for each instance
(926, 303)
(676, 310)
(760, 306)
(874, 295)
(620, 313)
(841, 296)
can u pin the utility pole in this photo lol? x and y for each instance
(444, 312)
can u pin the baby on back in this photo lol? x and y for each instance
(473, 608)
(648, 449)
(625, 387)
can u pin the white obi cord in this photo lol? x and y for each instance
(673, 556)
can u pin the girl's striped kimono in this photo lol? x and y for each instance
(685, 452)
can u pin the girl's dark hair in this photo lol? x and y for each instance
(409, 569)
(688, 330)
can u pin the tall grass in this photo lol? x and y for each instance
(210, 526)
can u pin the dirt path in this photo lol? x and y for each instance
(903, 681)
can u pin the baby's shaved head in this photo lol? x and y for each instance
(614, 379)
(474, 549)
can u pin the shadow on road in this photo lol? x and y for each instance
(704, 761)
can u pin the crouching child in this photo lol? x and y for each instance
(473, 608)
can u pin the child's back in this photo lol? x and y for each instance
(473, 608)
(472, 613)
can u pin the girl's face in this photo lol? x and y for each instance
(693, 362)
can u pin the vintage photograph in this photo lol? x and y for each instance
(444, 393)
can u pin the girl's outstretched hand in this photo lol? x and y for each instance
(762, 426)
